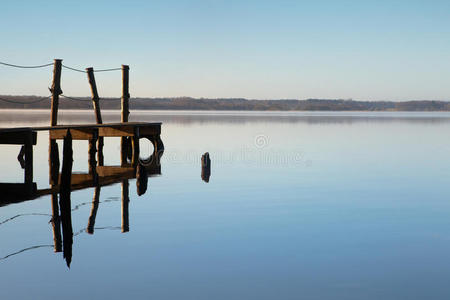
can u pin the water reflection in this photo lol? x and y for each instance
(63, 183)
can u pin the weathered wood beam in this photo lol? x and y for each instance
(56, 91)
(125, 112)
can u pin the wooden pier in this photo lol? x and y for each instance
(129, 132)
(99, 175)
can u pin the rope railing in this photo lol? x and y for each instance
(73, 69)
(75, 99)
(51, 64)
(25, 67)
(56, 89)
(107, 70)
(88, 100)
(84, 71)
(62, 95)
(24, 102)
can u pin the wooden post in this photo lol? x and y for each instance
(206, 167)
(124, 111)
(53, 160)
(95, 202)
(98, 115)
(100, 156)
(135, 147)
(91, 160)
(125, 93)
(64, 198)
(66, 172)
(28, 147)
(124, 149)
(125, 202)
(95, 98)
(56, 91)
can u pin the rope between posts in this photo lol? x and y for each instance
(24, 102)
(88, 100)
(84, 71)
(25, 67)
(107, 70)
(64, 66)
(73, 69)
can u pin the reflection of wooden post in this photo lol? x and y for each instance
(56, 224)
(56, 91)
(141, 179)
(98, 115)
(53, 160)
(125, 203)
(64, 200)
(95, 202)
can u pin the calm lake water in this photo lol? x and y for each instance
(298, 206)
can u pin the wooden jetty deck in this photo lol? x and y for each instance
(99, 175)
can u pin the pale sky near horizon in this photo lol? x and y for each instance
(365, 50)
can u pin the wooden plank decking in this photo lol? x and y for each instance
(82, 131)
(101, 175)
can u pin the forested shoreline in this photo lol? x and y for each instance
(187, 103)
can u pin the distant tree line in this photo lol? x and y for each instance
(187, 103)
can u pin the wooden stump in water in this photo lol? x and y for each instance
(206, 167)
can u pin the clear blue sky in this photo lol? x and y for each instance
(371, 50)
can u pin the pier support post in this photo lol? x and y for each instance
(53, 159)
(92, 161)
(56, 91)
(135, 147)
(124, 111)
(28, 147)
